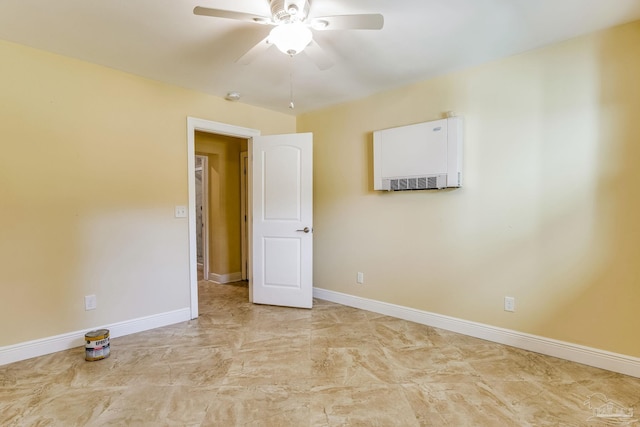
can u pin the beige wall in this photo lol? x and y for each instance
(93, 163)
(223, 152)
(548, 213)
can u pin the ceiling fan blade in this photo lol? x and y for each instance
(318, 55)
(373, 21)
(228, 14)
(255, 51)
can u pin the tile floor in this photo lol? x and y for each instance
(240, 364)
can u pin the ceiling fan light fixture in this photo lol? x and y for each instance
(291, 38)
(292, 10)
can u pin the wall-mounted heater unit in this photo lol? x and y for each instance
(424, 156)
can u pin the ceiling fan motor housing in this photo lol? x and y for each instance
(289, 10)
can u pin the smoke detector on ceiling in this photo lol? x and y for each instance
(233, 96)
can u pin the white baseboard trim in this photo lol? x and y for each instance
(620, 363)
(40, 347)
(225, 278)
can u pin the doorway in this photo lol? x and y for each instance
(224, 182)
(202, 216)
(206, 126)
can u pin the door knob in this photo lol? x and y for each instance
(305, 230)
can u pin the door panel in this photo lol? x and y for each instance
(281, 261)
(281, 174)
(282, 210)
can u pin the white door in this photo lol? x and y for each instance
(282, 220)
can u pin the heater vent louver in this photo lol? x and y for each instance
(418, 183)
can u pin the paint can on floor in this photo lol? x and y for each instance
(97, 345)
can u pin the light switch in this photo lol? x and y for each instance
(181, 211)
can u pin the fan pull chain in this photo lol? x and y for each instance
(291, 104)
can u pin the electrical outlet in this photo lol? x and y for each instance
(509, 304)
(181, 211)
(360, 277)
(90, 302)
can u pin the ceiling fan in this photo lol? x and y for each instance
(292, 27)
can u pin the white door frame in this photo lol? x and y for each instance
(193, 125)
(244, 213)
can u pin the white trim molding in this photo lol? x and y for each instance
(40, 347)
(620, 363)
(225, 278)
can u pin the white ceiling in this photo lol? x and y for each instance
(164, 40)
